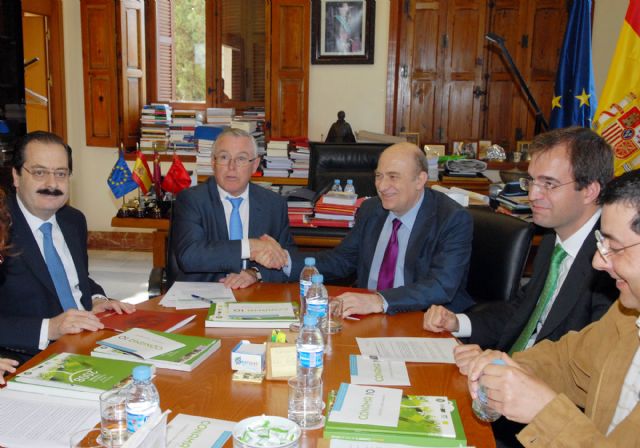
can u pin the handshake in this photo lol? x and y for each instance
(268, 252)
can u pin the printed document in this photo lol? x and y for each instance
(378, 372)
(432, 350)
(29, 420)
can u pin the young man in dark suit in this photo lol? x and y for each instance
(568, 169)
(411, 244)
(219, 227)
(45, 288)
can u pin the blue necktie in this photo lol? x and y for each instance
(56, 269)
(235, 223)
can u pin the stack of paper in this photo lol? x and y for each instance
(192, 295)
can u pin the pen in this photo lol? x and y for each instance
(351, 318)
(206, 299)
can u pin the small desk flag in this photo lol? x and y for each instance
(142, 173)
(177, 178)
(618, 116)
(574, 99)
(120, 180)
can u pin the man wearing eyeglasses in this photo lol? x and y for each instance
(567, 171)
(228, 229)
(45, 288)
(583, 390)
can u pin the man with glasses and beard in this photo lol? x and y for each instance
(45, 288)
(228, 229)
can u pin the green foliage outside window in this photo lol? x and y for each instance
(190, 49)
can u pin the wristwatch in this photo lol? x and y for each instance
(257, 273)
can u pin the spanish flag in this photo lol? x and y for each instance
(618, 114)
(142, 173)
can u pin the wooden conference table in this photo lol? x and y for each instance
(209, 391)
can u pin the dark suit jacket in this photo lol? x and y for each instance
(201, 242)
(27, 293)
(584, 297)
(436, 261)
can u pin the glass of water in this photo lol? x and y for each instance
(305, 402)
(113, 417)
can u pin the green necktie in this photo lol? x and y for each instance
(547, 292)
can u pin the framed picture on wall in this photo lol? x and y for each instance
(342, 32)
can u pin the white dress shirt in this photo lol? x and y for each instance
(572, 246)
(65, 255)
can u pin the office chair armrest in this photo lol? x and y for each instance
(156, 282)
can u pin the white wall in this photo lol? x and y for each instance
(359, 90)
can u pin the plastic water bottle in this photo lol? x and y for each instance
(317, 300)
(349, 188)
(142, 400)
(336, 185)
(310, 349)
(305, 283)
(481, 403)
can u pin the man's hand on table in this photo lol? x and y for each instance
(73, 322)
(7, 365)
(438, 319)
(242, 279)
(511, 389)
(361, 303)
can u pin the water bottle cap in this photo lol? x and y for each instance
(317, 278)
(310, 261)
(142, 373)
(350, 181)
(310, 320)
(498, 362)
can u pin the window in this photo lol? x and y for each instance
(209, 52)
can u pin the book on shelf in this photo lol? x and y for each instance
(151, 320)
(339, 198)
(193, 351)
(331, 223)
(75, 376)
(251, 315)
(380, 414)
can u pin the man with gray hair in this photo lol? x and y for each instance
(218, 225)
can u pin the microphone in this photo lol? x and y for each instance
(494, 38)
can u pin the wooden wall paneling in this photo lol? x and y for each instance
(289, 71)
(463, 69)
(542, 61)
(505, 98)
(393, 57)
(132, 68)
(100, 72)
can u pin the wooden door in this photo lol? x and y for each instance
(440, 68)
(287, 73)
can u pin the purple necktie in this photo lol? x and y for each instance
(388, 266)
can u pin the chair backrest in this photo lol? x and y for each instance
(499, 254)
(344, 161)
(171, 267)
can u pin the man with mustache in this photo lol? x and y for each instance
(45, 288)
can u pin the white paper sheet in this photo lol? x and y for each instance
(378, 372)
(41, 421)
(180, 295)
(335, 443)
(432, 350)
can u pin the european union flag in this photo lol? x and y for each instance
(120, 180)
(574, 100)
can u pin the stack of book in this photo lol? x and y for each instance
(518, 205)
(182, 128)
(251, 315)
(220, 115)
(205, 136)
(154, 126)
(383, 415)
(277, 162)
(300, 157)
(336, 209)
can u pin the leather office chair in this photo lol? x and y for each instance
(357, 161)
(499, 254)
(161, 279)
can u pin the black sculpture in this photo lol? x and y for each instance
(340, 131)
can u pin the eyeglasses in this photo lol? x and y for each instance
(527, 183)
(226, 159)
(603, 246)
(41, 173)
